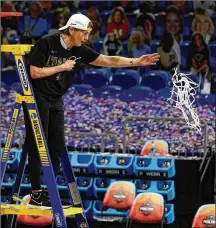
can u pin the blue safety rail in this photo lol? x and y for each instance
(106, 164)
(9, 180)
(82, 163)
(169, 213)
(154, 167)
(97, 209)
(165, 187)
(101, 185)
(13, 161)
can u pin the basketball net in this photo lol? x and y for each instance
(183, 94)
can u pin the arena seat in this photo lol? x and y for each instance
(125, 47)
(154, 44)
(163, 5)
(148, 208)
(125, 78)
(155, 82)
(9, 180)
(192, 75)
(164, 187)
(187, 21)
(212, 48)
(204, 99)
(111, 88)
(213, 17)
(162, 73)
(9, 76)
(122, 165)
(103, 33)
(104, 5)
(82, 162)
(205, 216)
(213, 81)
(105, 14)
(82, 88)
(35, 221)
(85, 186)
(136, 5)
(184, 54)
(159, 20)
(25, 184)
(165, 92)
(97, 45)
(141, 88)
(17, 87)
(87, 204)
(138, 93)
(132, 19)
(154, 147)
(101, 185)
(96, 78)
(120, 195)
(98, 210)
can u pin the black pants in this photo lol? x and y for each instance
(52, 119)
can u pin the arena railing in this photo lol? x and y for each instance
(133, 119)
(103, 137)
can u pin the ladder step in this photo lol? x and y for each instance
(15, 209)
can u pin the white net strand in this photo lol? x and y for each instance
(183, 94)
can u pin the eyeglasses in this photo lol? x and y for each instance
(85, 33)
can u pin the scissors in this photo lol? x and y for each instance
(74, 58)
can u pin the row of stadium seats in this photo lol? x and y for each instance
(127, 78)
(107, 164)
(97, 187)
(122, 78)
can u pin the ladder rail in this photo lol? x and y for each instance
(49, 177)
(9, 139)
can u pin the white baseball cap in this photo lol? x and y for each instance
(78, 21)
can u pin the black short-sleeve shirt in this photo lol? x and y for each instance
(48, 52)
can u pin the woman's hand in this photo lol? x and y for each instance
(150, 59)
(69, 65)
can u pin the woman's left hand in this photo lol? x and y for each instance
(150, 59)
